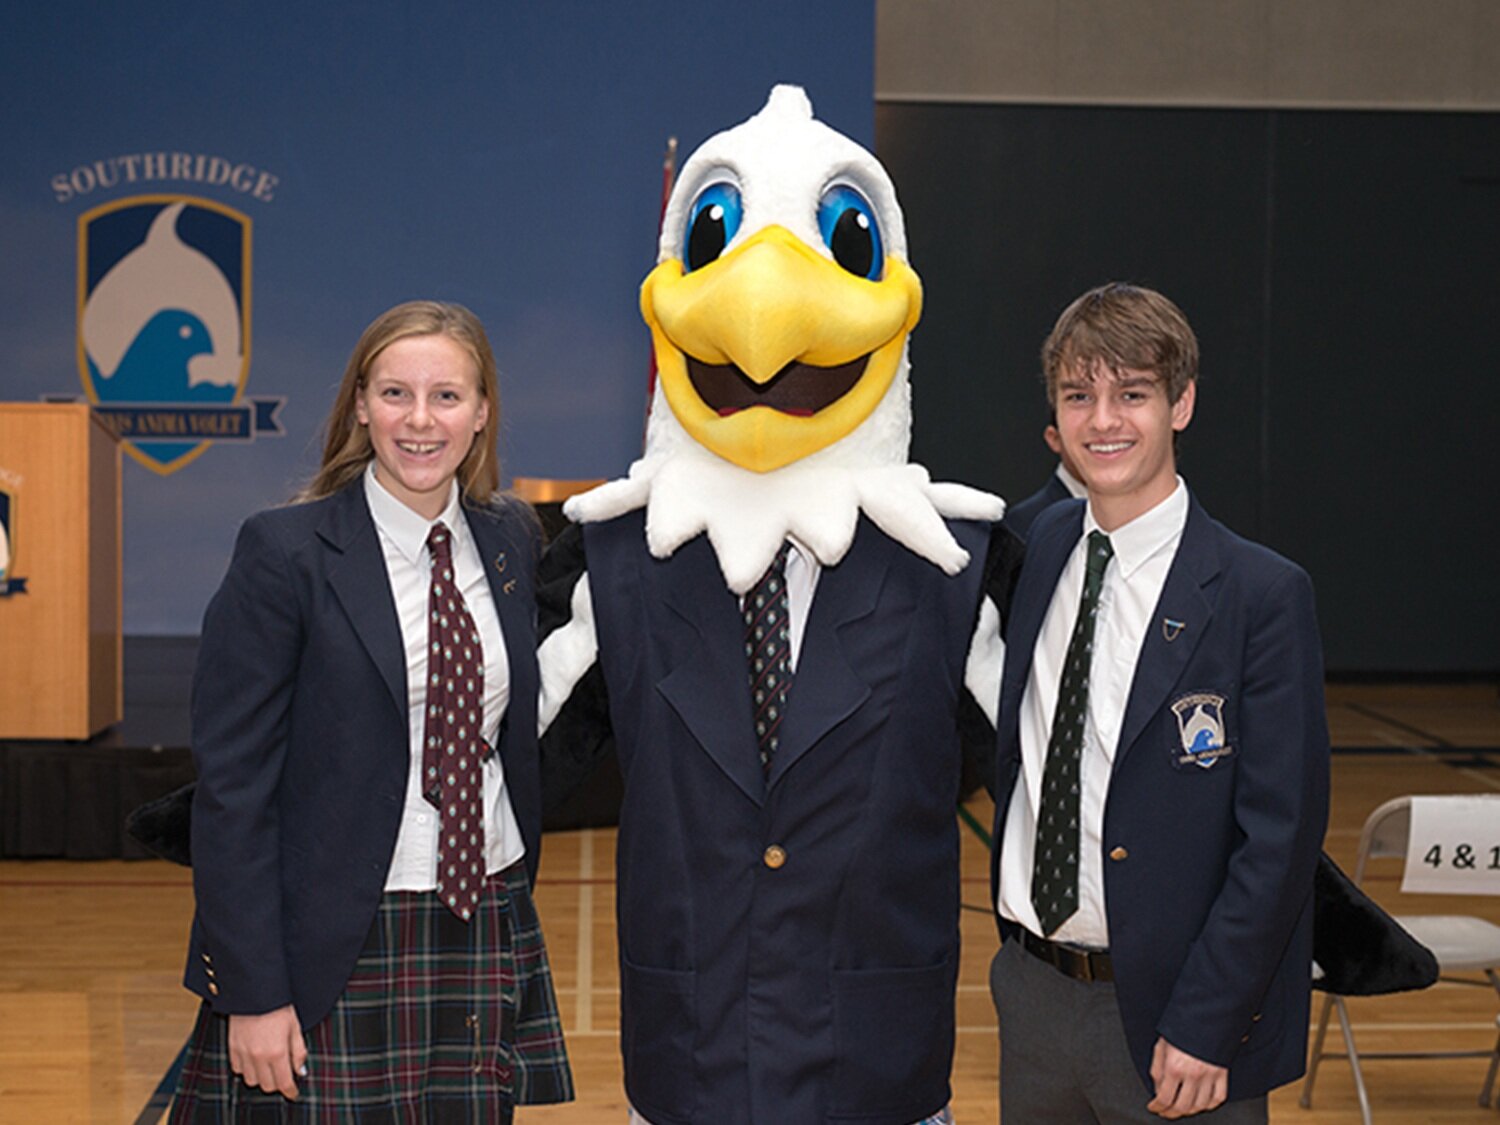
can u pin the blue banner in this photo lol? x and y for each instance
(151, 422)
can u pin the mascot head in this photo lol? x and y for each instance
(780, 308)
(782, 299)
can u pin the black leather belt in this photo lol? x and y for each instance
(1080, 964)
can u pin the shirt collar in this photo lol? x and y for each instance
(402, 526)
(1150, 532)
(1076, 488)
(803, 554)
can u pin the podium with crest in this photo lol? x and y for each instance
(60, 592)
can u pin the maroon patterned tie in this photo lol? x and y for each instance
(452, 745)
(768, 648)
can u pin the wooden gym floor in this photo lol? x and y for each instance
(92, 1012)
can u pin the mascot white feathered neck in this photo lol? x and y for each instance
(780, 309)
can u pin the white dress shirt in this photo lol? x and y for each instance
(403, 540)
(1143, 552)
(802, 570)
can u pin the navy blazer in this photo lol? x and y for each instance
(788, 944)
(300, 738)
(1020, 516)
(1208, 864)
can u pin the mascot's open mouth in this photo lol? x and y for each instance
(799, 389)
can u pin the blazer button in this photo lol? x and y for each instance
(1118, 853)
(213, 988)
(775, 856)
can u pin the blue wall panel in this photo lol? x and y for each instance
(503, 155)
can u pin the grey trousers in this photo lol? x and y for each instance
(1063, 1057)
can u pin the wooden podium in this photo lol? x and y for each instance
(60, 594)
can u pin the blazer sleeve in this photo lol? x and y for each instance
(1281, 809)
(242, 698)
(574, 721)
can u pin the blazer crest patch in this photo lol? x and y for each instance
(1201, 730)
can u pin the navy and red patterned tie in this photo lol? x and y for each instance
(768, 649)
(452, 745)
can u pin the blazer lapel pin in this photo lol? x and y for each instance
(510, 584)
(1170, 629)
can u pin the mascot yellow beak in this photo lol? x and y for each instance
(774, 351)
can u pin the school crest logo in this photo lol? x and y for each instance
(164, 326)
(8, 583)
(1200, 730)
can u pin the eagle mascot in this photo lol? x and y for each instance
(780, 624)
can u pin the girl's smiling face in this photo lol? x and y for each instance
(422, 405)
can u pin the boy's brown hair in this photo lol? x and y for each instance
(1117, 326)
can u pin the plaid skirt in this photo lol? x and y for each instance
(441, 1022)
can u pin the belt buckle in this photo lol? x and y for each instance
(1075, 963)
(1082, 965)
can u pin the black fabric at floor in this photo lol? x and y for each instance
(69, 800)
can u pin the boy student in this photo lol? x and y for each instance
(1162, 773)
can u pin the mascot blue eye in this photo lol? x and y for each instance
(712, 225)
(847, 223)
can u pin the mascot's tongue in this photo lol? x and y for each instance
(798, 388)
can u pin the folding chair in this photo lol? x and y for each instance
(1461, 943)
(1489, 1079)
